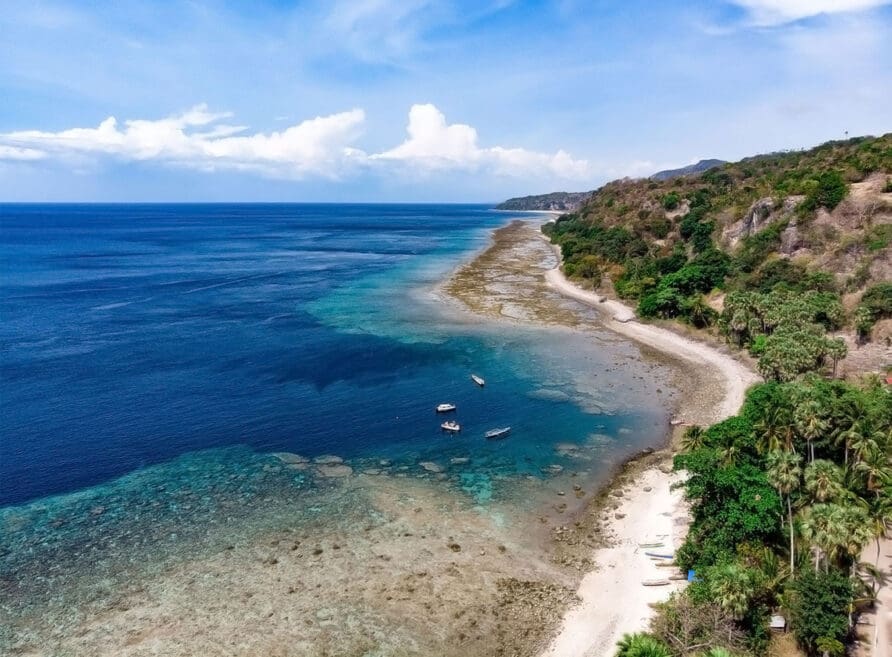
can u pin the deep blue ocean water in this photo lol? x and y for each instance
(134, 335)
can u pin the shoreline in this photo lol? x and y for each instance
(637, 505)
(588, 629)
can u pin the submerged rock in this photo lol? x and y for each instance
(327, 459)
(291, 458)
(335, 470)
(430, 466)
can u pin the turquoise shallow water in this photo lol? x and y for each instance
(156, 356)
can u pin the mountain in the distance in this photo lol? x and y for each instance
(690, 170)
(555, 202)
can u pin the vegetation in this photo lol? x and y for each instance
(785, 498)
(661, 243)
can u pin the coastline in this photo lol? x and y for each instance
(639, 505)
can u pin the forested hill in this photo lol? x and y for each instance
(786, 254)
(556, 201)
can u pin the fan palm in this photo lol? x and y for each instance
(810, 423)
(641, 645)
(784, 472)
(733, 587)
(823, 480)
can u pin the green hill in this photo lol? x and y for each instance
(775, 251)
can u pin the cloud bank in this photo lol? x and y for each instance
(777, 12)
(320, 147)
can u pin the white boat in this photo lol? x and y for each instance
(451, 426)
(655, 582)
(495, 434)
(478, 380)
(445, 408)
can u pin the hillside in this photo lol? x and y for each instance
(554, 202)
(690, 170)
(787, 256)
(733, 249)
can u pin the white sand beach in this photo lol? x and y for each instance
(613, 600)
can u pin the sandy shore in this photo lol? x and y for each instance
(652, 511)
(516, 280)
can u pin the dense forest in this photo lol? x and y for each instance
(779, 254)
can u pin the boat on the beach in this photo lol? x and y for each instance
(445, 408)
(655, 582)
(656, 544)
(478, 380)
(495, 434)
(451, 426)
(657, 555)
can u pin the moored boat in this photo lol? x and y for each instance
(451, 426)
(478, 380)
(495, 434)
(445, 408)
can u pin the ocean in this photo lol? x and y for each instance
(154, 357)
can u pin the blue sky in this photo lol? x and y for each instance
(418, 100)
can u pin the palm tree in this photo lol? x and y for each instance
(784, 472)
(823, 480)
(733, 587)
(773, 429)
(823, 527)
(810, 423)
(879, 511)
(874, 465)
(641, 645)
(693, 438)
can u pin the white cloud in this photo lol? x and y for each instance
(323, 146)
(777, 12)
(433, 144)
(18, 153)
(196, 139)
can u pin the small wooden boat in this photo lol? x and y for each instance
(495, 434)
(445, 408)
(665, 564)
(657, 555)
(478, 380)
(451, 426)
(655, 582)
(651, 545)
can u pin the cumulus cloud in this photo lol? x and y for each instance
(777, 12)
(434, 144)
(197, 139)
(322, 146)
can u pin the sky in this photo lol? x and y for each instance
(419, 100)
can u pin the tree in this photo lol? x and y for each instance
(823, 480)
(784, 472)
(641, 645)
(810, 423)
(732, 586)
(818, 605)
(693, 438)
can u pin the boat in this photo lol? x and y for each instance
(660, 556)
(445, 408)
(478, 380)
(451, 426)
(656, 544)
(655, 582)
(495, 434)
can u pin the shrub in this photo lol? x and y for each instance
(828, 191)
(671, 200)
(818, 606)
(641, 645)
